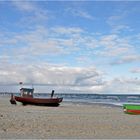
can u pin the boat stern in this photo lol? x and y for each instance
(124, 108)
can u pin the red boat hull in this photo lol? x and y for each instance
(130, 111)
(39, 101)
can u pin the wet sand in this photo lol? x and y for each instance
(68, 121)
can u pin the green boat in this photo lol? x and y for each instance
(131, 108)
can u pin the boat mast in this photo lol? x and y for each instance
(21, 86)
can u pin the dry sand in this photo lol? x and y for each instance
(68, 121)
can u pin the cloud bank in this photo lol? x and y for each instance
(42, 47)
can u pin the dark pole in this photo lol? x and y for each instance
(52, 93)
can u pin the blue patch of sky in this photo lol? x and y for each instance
(122, 70)
(67, 18)
(9, 17)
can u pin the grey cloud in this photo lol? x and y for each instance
(122, 85)
(126, 59)
(45, 75)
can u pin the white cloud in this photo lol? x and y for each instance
(120, 28)
(66, 41)
(80, 13)
(24, 5)
(41, 41)
(117, 21)
(126, 59)
(136, 70)
(114, 45)
(42, 74)
(46, 77)
(20, 59)
(67, 31)
(32, 14)
(61, 57)
(131, 58)
(114, 19)
(122, 85)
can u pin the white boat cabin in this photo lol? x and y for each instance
(27, 92)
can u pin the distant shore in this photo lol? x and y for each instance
(68, 121)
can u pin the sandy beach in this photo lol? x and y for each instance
(68, 121)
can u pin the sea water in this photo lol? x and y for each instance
(108, 99)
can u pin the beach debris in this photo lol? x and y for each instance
(4, 129)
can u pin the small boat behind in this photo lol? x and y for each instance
(132, 109)
(27, 98)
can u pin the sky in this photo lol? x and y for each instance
(70, 46)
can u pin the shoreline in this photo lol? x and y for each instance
(87, 101)
(112, 104)
(68, 121)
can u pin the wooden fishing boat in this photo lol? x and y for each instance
(132, 108)
(27, 98)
